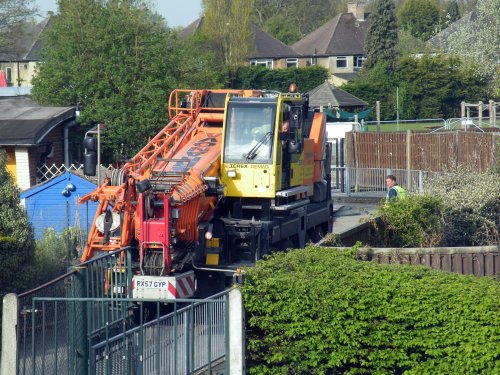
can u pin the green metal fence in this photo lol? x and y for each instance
(52, 337)
(86, 322)
(191, 339)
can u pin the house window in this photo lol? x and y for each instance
(268, 63)
(8, 74)
(359, 61)
(313, 61)
(292, 63)
(341, 62)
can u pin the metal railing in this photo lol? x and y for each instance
(361, 180)
(470, 123)
(190, 339)
(107, 277)
(424, 124)
(85, 322)
(30, 325)
(186, 341)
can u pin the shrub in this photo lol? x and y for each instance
(411, 222)
(55, 252)
(258, 77)
(318, 311)
(470, 205)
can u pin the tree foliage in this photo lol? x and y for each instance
(470, 205)
(420, 18)
(282, 29)
(320, 311)
(14, 14)
(430, 87)
(258, 77)
(290, 20)
(17, 243)
(412, 222)
(229, 29)
(452, 12)
(382, 35)
(477, 42)
(458, 208)
(119, 61)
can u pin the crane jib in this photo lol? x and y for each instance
(194, 153)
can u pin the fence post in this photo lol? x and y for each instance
(236, 332)
(490, 112)
(377, 112)
(78, 324)
(408, 159)
(8, 363)
(480, 113)
(420, 182)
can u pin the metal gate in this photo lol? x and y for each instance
(86, 323)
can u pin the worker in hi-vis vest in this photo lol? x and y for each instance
(394, 191)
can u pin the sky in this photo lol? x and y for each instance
(176, 12)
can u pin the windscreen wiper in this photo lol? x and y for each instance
(253, 151)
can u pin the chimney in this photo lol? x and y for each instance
(357, 9)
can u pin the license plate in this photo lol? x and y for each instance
(213, 242)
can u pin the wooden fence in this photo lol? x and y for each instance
(433, 152)
(477, 261)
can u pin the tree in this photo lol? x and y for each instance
(249, 77)
(477, 43)
(282, 29)
(118, 61)
(420, 18)
(13, 16)
(229, 28)
(17, 243)
(452, 12)
(382, 35)
(430, 87)
(297, 16)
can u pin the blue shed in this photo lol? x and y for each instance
(54, 204)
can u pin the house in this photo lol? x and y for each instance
(54, 204)
(267, 51)
(33, 136)
(272, 53)
(338, 45)
(20, 60)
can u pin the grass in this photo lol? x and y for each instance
(404, 126)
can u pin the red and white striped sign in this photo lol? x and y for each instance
(164, 287)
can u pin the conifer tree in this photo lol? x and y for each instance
(452, 12)
(382, 35)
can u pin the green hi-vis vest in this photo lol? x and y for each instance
(401, 193)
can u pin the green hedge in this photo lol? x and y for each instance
(320, 311)
(258, 77)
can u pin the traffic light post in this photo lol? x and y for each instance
(92, 156)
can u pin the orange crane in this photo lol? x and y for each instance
(234, 175)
